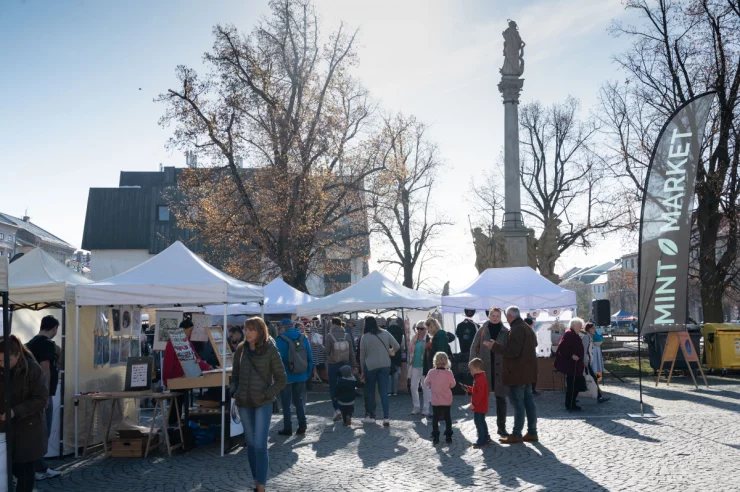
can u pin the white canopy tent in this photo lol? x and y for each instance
(39, 282)
(6, 460)
(517, 286)
(373, 293)
(175, 277)
(280, 298)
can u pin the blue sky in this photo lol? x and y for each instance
(74, 114)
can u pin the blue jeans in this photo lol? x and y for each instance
(296, 392)
(256, 423)
(380, 377)
(523, 403)
(482, 427)
(333, 378)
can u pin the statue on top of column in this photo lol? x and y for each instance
(513, 51)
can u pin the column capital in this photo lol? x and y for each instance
(510, 88)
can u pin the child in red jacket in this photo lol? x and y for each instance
(479, 402)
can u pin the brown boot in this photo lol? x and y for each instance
(530, 438)
(510, 439)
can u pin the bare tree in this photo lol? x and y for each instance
(583, 295)
(404, 214)
(487, 200)
(680, 49)
(283, 100)
(564, 182)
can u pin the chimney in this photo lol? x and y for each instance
(26, 218)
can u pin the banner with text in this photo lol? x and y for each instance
(665, 226)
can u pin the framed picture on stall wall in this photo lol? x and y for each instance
(216, 336)
(166, 320)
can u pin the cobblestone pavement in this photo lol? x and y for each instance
(694, 444)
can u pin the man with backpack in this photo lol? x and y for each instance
(340, 351)
(295, 352)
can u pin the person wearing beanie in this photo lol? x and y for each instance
(345, 394)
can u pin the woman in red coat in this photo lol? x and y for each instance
(569, 361)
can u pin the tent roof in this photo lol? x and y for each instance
(176, 276)
(38, 277)
(621, 314)
(279, 298)
(373, 292)
(3, 274)
(518, 286)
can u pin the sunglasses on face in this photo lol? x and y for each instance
(421, 329)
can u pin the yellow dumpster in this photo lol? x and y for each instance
(722, 345)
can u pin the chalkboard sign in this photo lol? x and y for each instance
(139, 373)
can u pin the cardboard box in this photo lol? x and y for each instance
(131, 448)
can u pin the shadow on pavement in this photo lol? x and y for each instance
(367, 448)
(538, 468)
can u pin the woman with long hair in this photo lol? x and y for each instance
(569, 361)
(28, 401)
(257, 378)
(376, 349)
(417, 346)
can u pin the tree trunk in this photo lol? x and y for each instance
(408, 276)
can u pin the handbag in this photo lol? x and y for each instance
(579, 382)
(591, 390)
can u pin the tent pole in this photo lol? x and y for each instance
(61, 396)
(77, 374)
(223, 380)
(262, 310)
(7, 406)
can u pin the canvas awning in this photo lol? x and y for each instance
(503, 287)
(374, 292)
(39, 278)
(280, 298)
(176, 276)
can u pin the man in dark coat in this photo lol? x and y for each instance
(520, 371)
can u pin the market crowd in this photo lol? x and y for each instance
(273, 369)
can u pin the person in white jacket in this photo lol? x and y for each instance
(587, 339)
(415, 362)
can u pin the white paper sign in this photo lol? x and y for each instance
(139, 375)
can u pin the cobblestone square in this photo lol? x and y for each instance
(694, 444)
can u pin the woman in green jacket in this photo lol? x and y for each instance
(257, 378)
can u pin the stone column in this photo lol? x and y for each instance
(513, 228)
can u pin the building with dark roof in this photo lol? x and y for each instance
(20, 235)
(127, 225)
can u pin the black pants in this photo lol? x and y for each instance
(570, 392)
(24, 472)
(347, 411)
(180, 401)
(501, 413)
(438, 413)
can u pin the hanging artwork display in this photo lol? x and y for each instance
(127, 319)
(200, 324)
(98, 358)
(101, 321)
(135, 322)
(184, 352)
(115, 350)
(125, 349)
(135, 347)
(115, 319)
(166, 320)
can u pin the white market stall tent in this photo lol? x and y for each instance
(280, 298)
(175, 277)
(503, 287)
(376, 292)
(41, 285)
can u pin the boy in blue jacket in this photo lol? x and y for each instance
(295, 352)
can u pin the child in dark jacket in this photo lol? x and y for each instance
(479, 402)
(345, 394)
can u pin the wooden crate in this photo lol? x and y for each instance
(131, 448)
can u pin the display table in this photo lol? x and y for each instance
(547, 377)
(116, 397)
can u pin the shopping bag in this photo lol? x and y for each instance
(591, 389)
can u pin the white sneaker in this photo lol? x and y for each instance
(52, 473)
(386, 423)
(368, 420)
(337, 415)
(40, 476)
(415, 411)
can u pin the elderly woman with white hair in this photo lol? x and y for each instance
(417, 346)
(569, 361)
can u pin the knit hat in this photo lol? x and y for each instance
(286, 322)
(345, 371)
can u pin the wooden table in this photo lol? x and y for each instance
(209, 379)
(116, 397)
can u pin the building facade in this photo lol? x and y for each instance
(127, 225)
(20, 235)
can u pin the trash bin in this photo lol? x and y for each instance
(656, 344)
(722, 345)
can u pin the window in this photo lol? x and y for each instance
(2, 236)
(163, 213)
